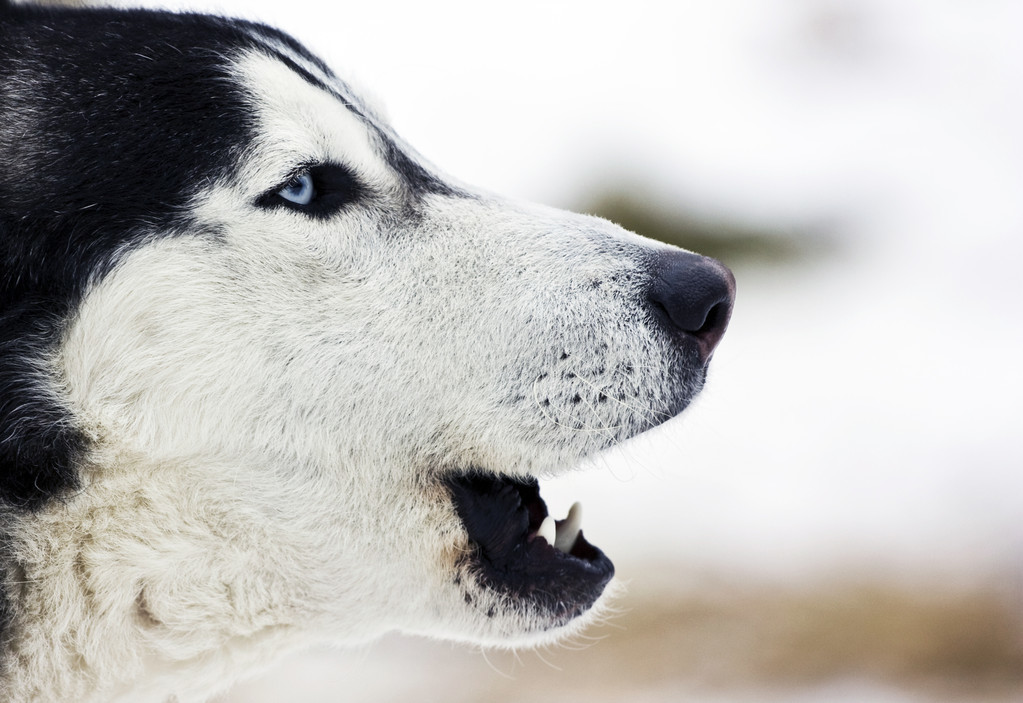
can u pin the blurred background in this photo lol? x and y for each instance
(838, 518)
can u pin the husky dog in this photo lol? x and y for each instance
(268, 379)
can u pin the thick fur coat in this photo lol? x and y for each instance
(268, 379)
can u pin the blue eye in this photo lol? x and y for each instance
(300, 189)
(316, 190)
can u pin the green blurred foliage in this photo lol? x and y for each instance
(733, 243)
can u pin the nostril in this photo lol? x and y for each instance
(693, 295)
(716, 318)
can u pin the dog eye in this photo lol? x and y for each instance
(300, 189)
(321, 190)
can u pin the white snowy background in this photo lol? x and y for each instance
(865, 410)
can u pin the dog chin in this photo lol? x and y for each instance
(517, 630)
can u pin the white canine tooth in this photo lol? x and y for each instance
(568, 530)
(548, 530)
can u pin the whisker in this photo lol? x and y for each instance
(493, 667)
(545, 661)
(555, 421)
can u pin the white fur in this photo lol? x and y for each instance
(272, 400)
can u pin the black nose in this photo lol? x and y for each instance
(692, 295)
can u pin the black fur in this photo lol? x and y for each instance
(108, 122)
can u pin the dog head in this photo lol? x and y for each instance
(228, 284)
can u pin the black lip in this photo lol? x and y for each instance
(501, 516)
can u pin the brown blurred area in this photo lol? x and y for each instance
(941, 643)
(713, 641)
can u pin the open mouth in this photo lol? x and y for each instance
(519, 550)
